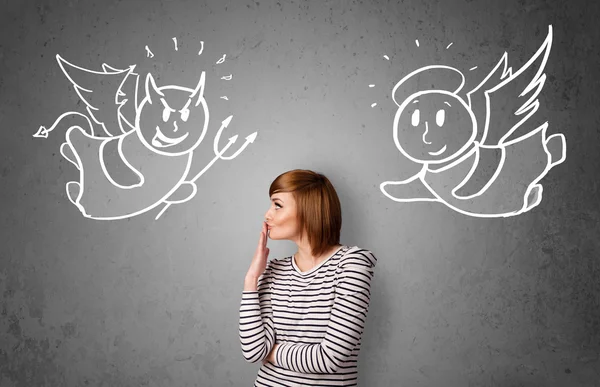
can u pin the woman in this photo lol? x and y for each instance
(303, 315)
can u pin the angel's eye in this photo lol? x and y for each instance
(166, 114)
(415, 118)
(185, 113)
(440, 117)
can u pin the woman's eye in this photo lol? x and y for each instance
(277, 206)
(166, 114)
(185, 114)
(440, 117)
(415, 118)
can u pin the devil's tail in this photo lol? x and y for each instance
(75, 119)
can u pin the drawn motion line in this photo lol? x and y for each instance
(149, 53)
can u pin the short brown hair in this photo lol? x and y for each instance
(318, 207)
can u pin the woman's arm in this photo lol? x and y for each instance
(250, 284)
(346, 324)
(256, 329)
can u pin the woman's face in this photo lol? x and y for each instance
(281, 217)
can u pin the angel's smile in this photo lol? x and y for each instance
(161, 141)
(438, 152)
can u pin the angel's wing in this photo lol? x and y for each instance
(505, 103)
(106, 95)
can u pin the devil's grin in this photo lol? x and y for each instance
(161, 141)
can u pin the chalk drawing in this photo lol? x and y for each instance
(482, 154)
(134, 155)
(149, 53)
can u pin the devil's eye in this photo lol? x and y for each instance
(185, 113)
(415, 118)
(440, 117)
(166, 114)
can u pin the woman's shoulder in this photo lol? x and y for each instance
(357, 254)
(278, 262)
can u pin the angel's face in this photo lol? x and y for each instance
(433, 126)
(172, 120)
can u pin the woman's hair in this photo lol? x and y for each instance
(318, 207)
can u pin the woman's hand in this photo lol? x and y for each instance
(259, 261)
(271, 356)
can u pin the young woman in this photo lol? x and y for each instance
(303, 316)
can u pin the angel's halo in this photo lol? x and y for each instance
(445, 77)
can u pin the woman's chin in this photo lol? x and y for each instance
(273, 237)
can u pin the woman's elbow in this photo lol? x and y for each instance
(254, 356)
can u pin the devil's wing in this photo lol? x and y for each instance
(505, 103)
(129, 96)
(108, 95)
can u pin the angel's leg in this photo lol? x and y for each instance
(533, 197)
(556, 147)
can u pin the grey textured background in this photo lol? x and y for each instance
(457, 301)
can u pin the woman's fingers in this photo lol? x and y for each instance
(266, 232)
(260, 241)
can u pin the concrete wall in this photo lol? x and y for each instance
(458, 300)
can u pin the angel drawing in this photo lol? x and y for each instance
(482, 153)
(133, 154)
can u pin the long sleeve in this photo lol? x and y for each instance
(257, 333)
(348, 317)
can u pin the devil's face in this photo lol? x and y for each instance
(433, 126)
(172, 120)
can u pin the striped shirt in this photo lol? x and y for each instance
(317, 317)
